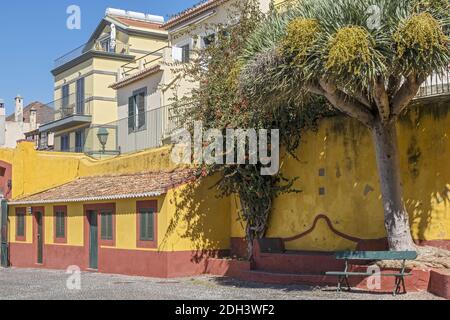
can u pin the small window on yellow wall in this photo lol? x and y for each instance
(60, 220)
(147, 224)
(21, 224)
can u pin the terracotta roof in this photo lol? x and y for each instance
(130, 186)
(135, 77)
(138, 23)
(44, 113)
(192, 12)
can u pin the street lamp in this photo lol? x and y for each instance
(103, 135)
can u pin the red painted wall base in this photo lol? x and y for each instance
(116, 261)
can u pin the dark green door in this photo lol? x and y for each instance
(4, 234)
(93, 240)
(40, 238)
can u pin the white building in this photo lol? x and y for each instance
(24, 119)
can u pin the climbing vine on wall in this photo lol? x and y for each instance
(219, 103)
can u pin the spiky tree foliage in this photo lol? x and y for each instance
(368, 58)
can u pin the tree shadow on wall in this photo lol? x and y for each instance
(430, 213)
(198, 218)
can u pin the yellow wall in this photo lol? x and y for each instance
(189, 219)
(352, 199)
(341, 146)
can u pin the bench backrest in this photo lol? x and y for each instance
(376, 255)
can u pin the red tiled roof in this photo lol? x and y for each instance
(138, 23)
(192, 12)
(135, 77)
(44, 113)
(129, 186)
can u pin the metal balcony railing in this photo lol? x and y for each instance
(93, 46)
(155, 128)
(71, 105)
(166, 55)
(436, 85)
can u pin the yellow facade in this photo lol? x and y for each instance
(336, 172)
(99, 71)
(352, 201)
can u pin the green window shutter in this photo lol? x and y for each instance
(103, 226)
(131, 114)
(141, 110)
(20, 225)
(60, 225)
(142, 233)
(110, 226)
(150, 226)
(107, 225)
(146, 225)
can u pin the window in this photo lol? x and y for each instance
(80, 97)
(106, 45)
(185, 56)
(20, 224)
(107, 225)
(65, 143)
(60, 216)
(65, 98)
(147, 224)
(147, 228)
(136, 111)
(79, 141)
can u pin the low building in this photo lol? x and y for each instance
(132, 222)
(16, 126)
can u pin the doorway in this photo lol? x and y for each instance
(38, 214)
(93, 239)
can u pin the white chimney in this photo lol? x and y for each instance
(33, 119)
(19, 109)
(2, 123)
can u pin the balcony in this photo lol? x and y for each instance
(156, 130)
(98, 46)
(69, 112)
(163, 59)
(435, 86)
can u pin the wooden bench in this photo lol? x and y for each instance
(373, 256)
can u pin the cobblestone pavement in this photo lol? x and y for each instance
(51, 285)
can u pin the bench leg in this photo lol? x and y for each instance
(342, 280)
(399, 283)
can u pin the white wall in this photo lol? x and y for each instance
(14, 132)
(152, 136)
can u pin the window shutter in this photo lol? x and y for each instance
(146, 229)
(131, 114)
(150, 228)
(141, 110)
(142, 232)
(103, 226)
(60, 225)
(110, 226)
(107, 225)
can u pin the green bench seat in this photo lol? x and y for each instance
(348, 256)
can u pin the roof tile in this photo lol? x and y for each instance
(129, 186)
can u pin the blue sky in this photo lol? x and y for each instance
(34, 33)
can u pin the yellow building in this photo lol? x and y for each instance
(56, 195)
(82, 95)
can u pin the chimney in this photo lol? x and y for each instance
(2, 123)
(19, 109)
(33, 119)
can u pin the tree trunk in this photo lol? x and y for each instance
(395, 214)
